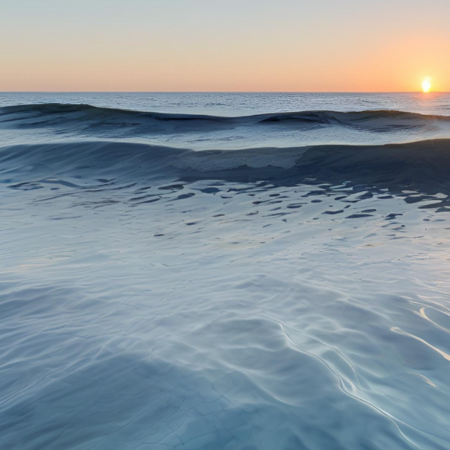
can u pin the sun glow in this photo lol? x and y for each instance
(426, 85)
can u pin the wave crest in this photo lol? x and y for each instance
(58, 113)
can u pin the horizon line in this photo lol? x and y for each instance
(223, 92)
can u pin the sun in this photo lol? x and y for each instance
(426, 85)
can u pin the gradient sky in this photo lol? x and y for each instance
(224, 45)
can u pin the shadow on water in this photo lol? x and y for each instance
(417, 172)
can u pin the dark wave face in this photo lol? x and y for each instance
(423, 166)
(204, 132)
(159, 296)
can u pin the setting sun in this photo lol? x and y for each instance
(426, 85)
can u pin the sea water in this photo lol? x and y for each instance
(224, 271)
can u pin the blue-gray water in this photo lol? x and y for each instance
(224, 271)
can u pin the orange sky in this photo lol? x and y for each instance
(245, 45)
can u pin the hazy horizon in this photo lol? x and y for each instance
(223, 92)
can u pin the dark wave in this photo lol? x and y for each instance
(84, 115)
(423, 166)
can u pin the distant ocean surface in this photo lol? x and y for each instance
(224, 271)
(239, 104)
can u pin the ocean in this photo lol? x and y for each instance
(260, 271)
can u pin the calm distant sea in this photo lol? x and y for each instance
(237, 104)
